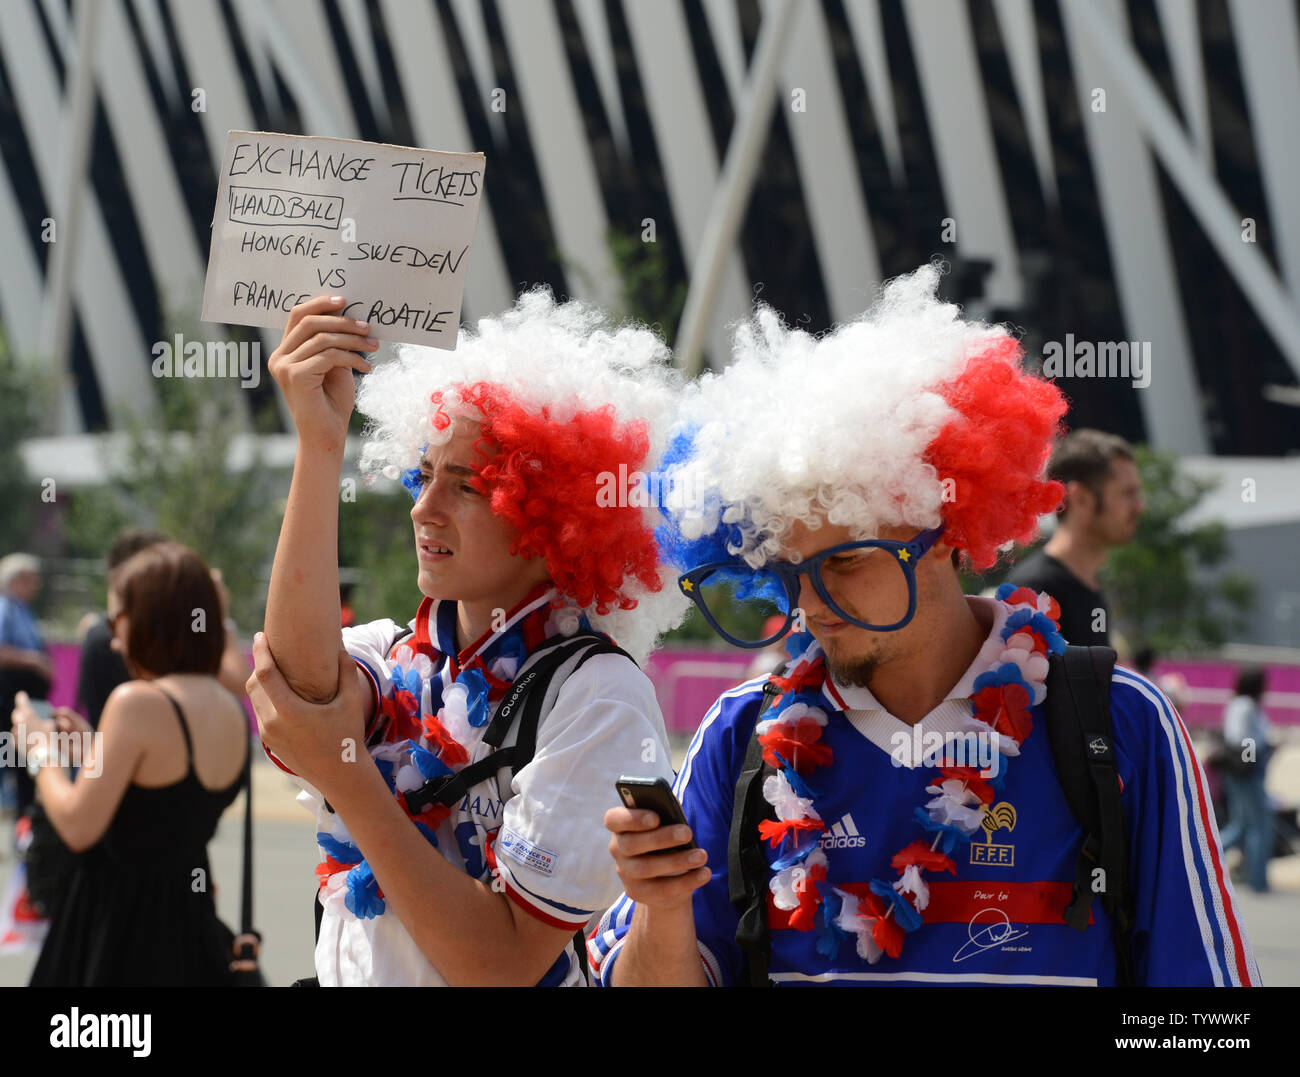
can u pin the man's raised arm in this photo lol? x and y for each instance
(313, 367)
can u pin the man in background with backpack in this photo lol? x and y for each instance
(934, 790)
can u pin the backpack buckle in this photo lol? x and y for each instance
(419, 799)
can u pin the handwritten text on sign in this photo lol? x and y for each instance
(387, 227)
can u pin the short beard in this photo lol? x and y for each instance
(856, 674)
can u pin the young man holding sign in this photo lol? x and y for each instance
(503, 443)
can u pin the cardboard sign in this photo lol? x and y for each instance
(388, 227)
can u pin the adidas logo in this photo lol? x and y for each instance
(843, 835)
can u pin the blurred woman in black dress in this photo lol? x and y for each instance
(168, 758)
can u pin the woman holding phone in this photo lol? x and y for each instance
(167, 759)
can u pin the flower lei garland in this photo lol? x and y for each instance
(882, 912)
(431, 743)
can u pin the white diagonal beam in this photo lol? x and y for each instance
(944, 46)
(1146, 279)
(433, 103)
(1218, 217)
(828, 173)
(1178, 20)
(748, 136)
(1016, 21)
(869, 36)
(92, 277)
(569, 183)
(679, 117)
(1267, 39)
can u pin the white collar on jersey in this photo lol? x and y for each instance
(871, 718)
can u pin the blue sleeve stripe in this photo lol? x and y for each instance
(612, 925)
(375, 686)
(569, 911)
(370, 672)
(1220, 923)
(1241, 964)
(608, 936)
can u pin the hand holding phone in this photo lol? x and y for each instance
(656, 795)
(29, 710)
(653, 876)
(43, 707)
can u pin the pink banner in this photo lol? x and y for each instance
(689, 680)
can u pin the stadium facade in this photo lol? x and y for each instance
(1102, 173)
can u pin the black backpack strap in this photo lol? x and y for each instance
(525, 698)
(747, 867)
(1082, 740)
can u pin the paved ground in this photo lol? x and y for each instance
(285, 857)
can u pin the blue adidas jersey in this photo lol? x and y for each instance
(999, 920)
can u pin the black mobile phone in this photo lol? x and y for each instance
(656, 795)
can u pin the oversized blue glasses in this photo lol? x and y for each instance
(743, 604)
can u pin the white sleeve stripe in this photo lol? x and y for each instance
(684, 777)
(712, 970)
(1195, 886)
(599, 947)
(606, 967)
(623, 911)
(1184, 783)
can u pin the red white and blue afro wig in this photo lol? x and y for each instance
(566, 398)
(861, 427)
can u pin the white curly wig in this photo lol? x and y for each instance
(861, 427)
(579, 396)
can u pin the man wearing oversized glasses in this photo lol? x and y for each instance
(886, 808)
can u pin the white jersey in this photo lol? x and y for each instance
(539, 834)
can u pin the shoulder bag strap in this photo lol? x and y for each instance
(1082, 740)
(747, 867)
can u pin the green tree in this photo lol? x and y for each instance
(377, 539)
(647, 292)
(174, 475)
(1165, 588)
(21, 392)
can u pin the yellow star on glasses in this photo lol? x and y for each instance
(688, 585)
(904, 555)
